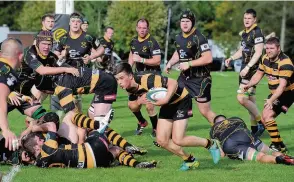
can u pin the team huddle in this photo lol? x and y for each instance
(80, 64)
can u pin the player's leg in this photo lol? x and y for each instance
(153, 117)
(136, 110)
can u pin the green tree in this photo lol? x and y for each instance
(29, 18)
(123, 16)
(9, 12)
(95, 12)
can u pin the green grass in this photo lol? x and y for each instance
(223, 102)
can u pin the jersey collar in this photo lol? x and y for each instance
(108, 40)
(75, 37)
(4, 60)
(146, 37)
(185, 35)
(251, 28)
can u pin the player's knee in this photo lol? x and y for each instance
(242, 99)
(259, 156)
(133, 106)
(162, 142)
(150, 108)
(178, 141)
(266, 115)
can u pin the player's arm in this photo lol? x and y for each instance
(206, 56)
(281, 88)
(235, 56)
(258, 52)
(174, 59)
(155, 53)
(130, 60)
(255, 79)
(7, 133)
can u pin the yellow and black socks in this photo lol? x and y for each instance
(83, 121)
(116, 139)
(126, 159)
(272, 128)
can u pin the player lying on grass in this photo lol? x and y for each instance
(95, 152)
(175, 110)
(237, 142)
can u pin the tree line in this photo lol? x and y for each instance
(221, 21)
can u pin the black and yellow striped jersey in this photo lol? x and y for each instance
(71, 155)
(149, 81)
(281, 68)
(250, 38)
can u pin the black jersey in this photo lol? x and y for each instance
(5, 154)
(145, 48)
(77, 48)
(250, 38)
(224, 129)
(149, 81)
(190, 47)
(32, 60)
(107, 62)
(7, 75)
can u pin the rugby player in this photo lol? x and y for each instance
(146, 56)
(278, 68)
(252, 43)
(237, 142)
(10, 59)
(193, 53)
(175, 110)
(85, 25)
(95, 152)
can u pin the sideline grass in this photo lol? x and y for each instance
(223, 102)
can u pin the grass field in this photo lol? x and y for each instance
(223, 102)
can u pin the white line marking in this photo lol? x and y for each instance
(8, 177)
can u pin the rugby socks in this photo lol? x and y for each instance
(126, 159)
(153, 120)
(209, 143)
(83, 121)
(272, 128)
(190, 158)
(116, 139)
(140, 117)
(254, 126)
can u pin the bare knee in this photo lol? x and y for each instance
(133, 106)
(150, 109)
(242, 99)
(178, 141)
(162, 142)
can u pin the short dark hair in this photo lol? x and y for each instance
(49, 15)
(218, 117)
(77, 15)
(106, 28)
(143, 20)
(250, 11)
(273, 40)
(123, 67)
(28, 141)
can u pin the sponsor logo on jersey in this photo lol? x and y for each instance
(144, 49)
(110, 97)
(189, 44)
(83, 44)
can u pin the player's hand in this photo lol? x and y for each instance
(86, 59)
(184, 66)
(99, 60)
(73, 71)
(137, 58)
(27, 99)
(161, 102)
(244, 72)
(167, 68)
(227, 62)
(11, 141)
(268, 104)
(142, 99)
(15, 98)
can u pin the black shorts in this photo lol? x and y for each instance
(244, 80)
(106, 89)
(25, 87)
(177, 111)
(238, 144)
(23, 106)
(198, 87)
(283, 103)
(98, 144)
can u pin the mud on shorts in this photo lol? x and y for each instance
(198, 87)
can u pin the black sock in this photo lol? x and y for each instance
(254, 129)
(191, 158)
(153, 120)
(209, 143)
(139, 117)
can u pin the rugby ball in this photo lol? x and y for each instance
(156, 93)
